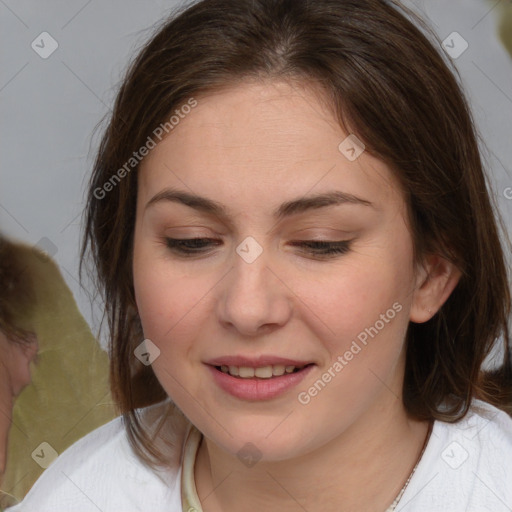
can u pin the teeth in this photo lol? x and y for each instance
(264, 372)
(278, 369)
(245, 372)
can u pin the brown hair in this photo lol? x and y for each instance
(381, 76)
(17, 296)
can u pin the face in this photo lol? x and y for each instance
(279, 274)
(15, 362)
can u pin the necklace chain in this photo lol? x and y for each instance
(401, 493)
(186, 491)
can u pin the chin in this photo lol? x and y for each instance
(260, 440)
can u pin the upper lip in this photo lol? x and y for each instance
(256, 362)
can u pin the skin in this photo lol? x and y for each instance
(15, 360)
(251, 148)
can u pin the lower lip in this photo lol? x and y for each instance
(256, 389)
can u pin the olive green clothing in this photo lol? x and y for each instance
(69, 395)
(505, 25)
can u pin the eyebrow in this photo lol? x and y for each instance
(287, 209)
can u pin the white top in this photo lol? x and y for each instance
(466, 466)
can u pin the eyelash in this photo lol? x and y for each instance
(321, 248)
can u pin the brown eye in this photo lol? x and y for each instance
(191, 245)
(324, 247)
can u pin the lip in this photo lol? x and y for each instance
(255, 362)
(256, 389)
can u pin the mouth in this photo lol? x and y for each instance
(261, 372)
(259, 383)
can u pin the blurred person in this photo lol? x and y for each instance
(18, 346)
(69, 395)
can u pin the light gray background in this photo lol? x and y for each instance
(50, 107)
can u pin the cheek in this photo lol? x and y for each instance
(158, 295)
(362, 311)
(354, 300)
(364, 314)
(161, 303)
(171, 304)
(165, 304)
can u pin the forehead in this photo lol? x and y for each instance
(273, 138)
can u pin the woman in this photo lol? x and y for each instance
(302, 272)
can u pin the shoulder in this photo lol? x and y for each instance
(485, 435)
(467, 465)
(101, 471)
(491, 425)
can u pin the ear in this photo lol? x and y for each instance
(435, 281)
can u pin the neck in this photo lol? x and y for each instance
(363, 468)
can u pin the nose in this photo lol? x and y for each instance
(253, 299)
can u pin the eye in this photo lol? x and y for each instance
(323, 247)
(319, 248)
(191, 245)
